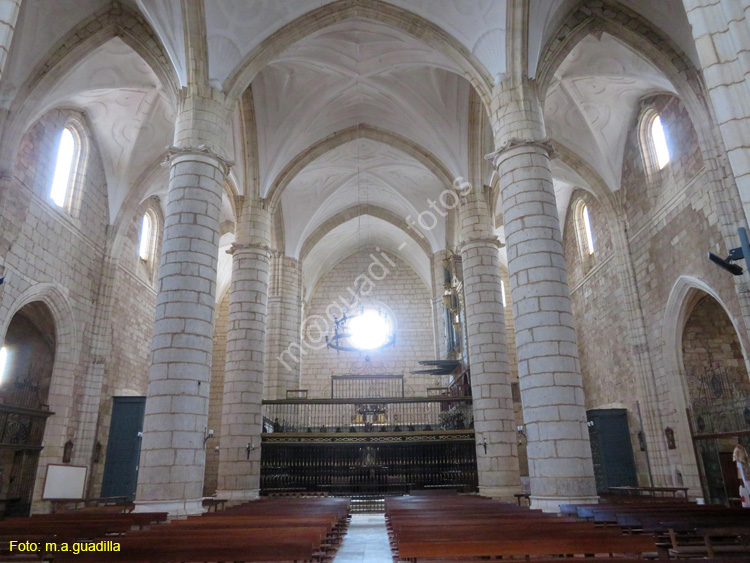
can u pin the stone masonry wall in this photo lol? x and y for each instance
(409, 299)
(709, 342)
(599, 309)
(672, 222)
(722, 39)
(52, 246)
(66, 249)
(131, 328)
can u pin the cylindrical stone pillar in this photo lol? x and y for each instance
(559, 452)
(284, 327)
(173, 452)
(242, 420)
(494, 420)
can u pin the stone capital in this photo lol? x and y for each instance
(462, 187)
(481, 241)
(237, 247)
(199, 151)
(514, 142)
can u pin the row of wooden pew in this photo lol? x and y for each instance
(681, 530)
(290, 530)
(465, 527)
(68, 527)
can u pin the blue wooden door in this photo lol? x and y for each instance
(124, 447)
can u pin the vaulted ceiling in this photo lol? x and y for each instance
(359, 123)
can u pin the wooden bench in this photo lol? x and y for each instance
(215, 503)
(267, 530)
(285, 530)
(138, 519)
(237, 548)
(563, 545)
(62, 504)
(471, 527)
(680, 530)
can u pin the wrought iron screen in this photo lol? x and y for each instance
(367, 386)
(373, 415)
(722, 405)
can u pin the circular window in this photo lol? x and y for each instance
(369, 330)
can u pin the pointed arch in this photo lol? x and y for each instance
(375, 10)
(595, 183)
(152, 174)
(114, 20)
(361, 131)
(354, 212)
(640, 35)
(685, 293)
(67, 350)
(630, 28)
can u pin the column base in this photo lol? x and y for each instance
(502, 493)
(238, 497)
(552, 504)
(175, 508)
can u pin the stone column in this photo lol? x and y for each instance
(721, 29)
(8, 16)
(494, 421)
(284, 326)
(172, 452)
(559, 452)
(241, 419)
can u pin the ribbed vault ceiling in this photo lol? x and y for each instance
(356, 72)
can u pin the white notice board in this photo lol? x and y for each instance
(64, 481)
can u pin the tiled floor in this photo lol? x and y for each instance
(366, 541)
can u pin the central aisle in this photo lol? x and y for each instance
(366, 541)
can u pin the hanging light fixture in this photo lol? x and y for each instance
(366, 329)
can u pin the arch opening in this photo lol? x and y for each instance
(30, 344)
(718, 392)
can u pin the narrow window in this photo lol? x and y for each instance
(63, 168)
(3, 362)
(144, 250)
(660, 143)
(502, 290)
(587, 228)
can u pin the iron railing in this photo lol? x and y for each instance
(368, 415)
(721, 417)
(367, 386)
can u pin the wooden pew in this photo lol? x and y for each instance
(269, 530)
(237, 548)
(559, 545)
(139, 519)
(677, 528)
(425, 529)
(740, 533)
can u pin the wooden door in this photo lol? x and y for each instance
(124, 447)
(611, 449)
